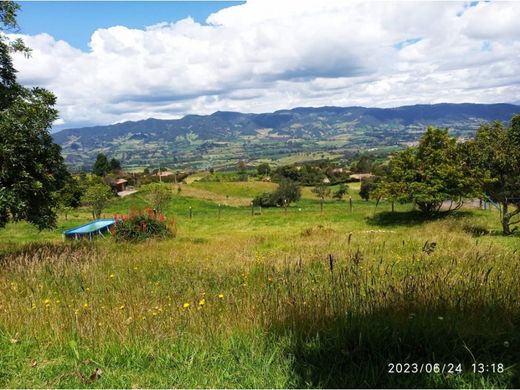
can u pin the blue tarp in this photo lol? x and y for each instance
(97, 227)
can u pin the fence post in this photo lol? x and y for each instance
(219, 211)
(350, 203)
(191, 213)
(252, 209)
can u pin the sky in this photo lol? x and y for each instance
(110, 62)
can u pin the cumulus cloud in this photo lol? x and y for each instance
(265, 55)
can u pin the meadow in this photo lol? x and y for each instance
(275, 299)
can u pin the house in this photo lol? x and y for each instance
(326, 181)
(120, 184)
(164, 174)
(360, 176)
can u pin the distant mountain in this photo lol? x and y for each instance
(224, 137)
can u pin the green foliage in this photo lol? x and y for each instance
(430, 174)
(115, 165)
(69, 197)
(287, 192)
(97, 197)
(31, 165)
(321, 191)
(312, 173)
(368, 186)
(263, 169)
(71, 193)
(101, 166)
(340, 192)
(157, 195)
(141, 227)
(496, 154)
(241, 166)
(363, 165)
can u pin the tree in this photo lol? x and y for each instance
(496, 153)
(341, 192)
(368, 185)
(157, 195)
(322, 191)
(101, 166)
(241, 166)
(115, 165)
(287, 192)
(363, 165)
(69, 197)
(31, 166)
(96, 197)
(430, 174)
(263, 169)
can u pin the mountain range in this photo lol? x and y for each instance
(222, 138)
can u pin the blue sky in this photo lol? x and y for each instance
(106, 64)
(75, 21)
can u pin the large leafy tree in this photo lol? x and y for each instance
(31, 166)
(496, 153)
(431, 174)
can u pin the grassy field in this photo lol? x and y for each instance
(296, 299)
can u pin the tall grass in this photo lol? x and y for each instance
(295, 304)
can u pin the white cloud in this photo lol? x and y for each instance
(266, 55)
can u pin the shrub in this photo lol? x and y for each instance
(141, 226)
(286, 193)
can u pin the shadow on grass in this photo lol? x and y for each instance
(357, 351)
(410, 218)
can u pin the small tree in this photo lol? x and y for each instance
(69, 197)
(241, 166)
(496, 154)
(263, 169)
(322, 191)
(287, 192)
(341, 192)
(97, 197)
(115, 165)
(101, 166)
(157, 195)
(368, 185)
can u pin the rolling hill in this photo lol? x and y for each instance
(222, 138)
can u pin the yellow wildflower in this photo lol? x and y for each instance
(186, 305)
(85, 305)
(112, 275)
(221, 296)
(202, 302)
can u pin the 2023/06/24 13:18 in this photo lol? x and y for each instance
(445, 368)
